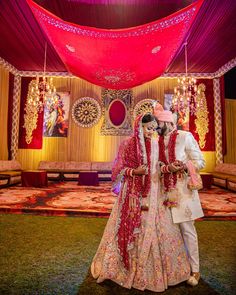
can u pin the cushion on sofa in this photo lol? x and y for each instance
(68, 175)
(221, 175)
(9, 165)
(77, 166)
(231, 185)
(15, 179)
(101, 166)
(220, 182)
(226, 168)
(51, 165)
(53, 174)
(232, 178)
(4, 180)
(11, 173)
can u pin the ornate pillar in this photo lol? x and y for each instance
(218, 120)
(15, 116)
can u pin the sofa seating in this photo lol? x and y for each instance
(10, 172)
(224, 176)
(70, 170)
(54, 169)
(231, 183)
(104, 170)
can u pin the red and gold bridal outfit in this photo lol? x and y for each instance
(140, 247)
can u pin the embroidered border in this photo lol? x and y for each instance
(220, 72)
(182, 17)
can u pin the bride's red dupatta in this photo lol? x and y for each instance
(135, 151)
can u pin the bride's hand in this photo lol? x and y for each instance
(141, 170)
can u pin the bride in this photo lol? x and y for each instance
(140, 247)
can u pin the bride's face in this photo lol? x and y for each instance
(149, 128)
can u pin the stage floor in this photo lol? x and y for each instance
(69, 199)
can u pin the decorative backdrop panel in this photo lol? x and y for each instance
(87, 144)
(205, 122)
(143, 106)
(86, 112)
(37, 134)
(117, 112)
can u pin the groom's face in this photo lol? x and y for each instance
(163, 128)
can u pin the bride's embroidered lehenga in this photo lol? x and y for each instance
(140, 247)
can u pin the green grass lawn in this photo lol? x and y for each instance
(52, 255)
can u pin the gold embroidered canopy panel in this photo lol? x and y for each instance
(121, 58)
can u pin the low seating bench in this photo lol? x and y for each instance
(224, 176)
(10, 172)
(71, 170)
(4, 180)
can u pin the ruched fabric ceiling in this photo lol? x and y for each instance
(117, 59)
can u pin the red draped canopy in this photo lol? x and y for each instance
(121, 58)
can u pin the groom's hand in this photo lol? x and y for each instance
(174, 167)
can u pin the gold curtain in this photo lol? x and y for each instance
(4, 84)
(82, 144)
(86, 144)
(230, 111)
(154, 89)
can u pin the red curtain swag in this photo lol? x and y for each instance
(121, 58)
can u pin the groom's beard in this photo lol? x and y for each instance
(163, 131)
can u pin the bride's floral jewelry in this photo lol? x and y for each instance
(129, 172)
(170, 179)
(165, 169)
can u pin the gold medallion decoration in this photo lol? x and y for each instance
(86, 112)
(143, 106)
(202, 120)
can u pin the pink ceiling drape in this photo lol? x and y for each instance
(121, 58)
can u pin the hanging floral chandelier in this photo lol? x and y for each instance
(41, 93)
(186, 98)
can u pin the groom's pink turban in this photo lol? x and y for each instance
(162, 115)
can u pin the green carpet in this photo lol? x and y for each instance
(52, 255)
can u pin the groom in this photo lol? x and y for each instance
(178, 152)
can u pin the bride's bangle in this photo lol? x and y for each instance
(165, 169)
(129, 172)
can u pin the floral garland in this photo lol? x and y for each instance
(170, 179)
(147, 179)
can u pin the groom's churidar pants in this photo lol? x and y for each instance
(189, 234)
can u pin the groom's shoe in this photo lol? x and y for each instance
(194, 279)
